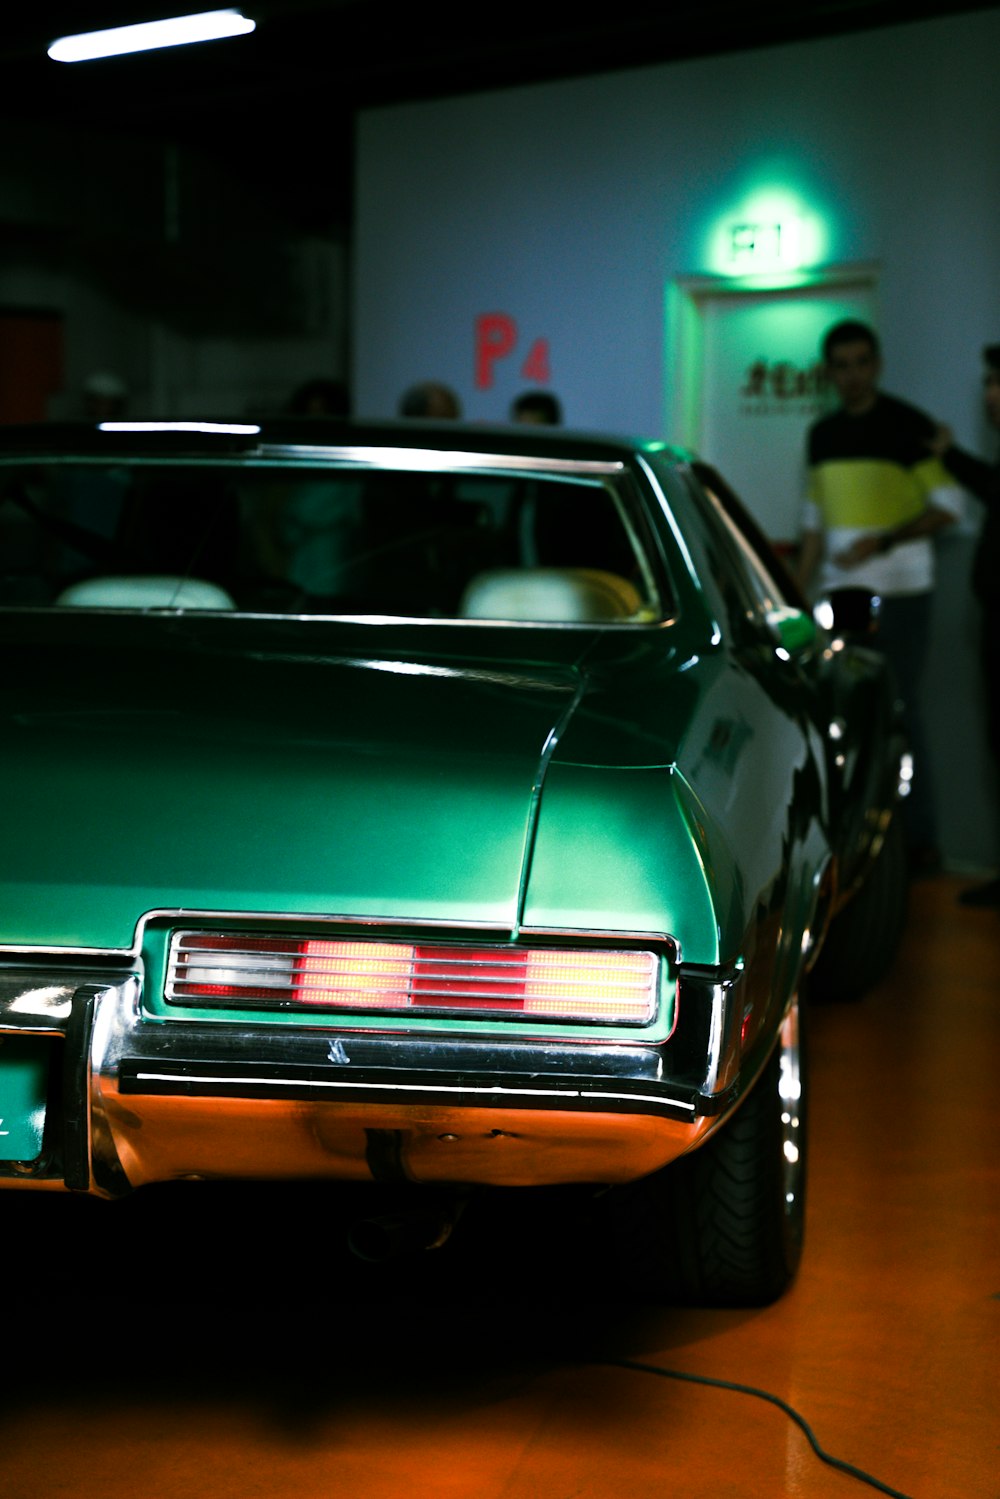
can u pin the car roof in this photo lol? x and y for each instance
(213, 438)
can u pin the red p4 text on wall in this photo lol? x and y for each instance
(497, 338)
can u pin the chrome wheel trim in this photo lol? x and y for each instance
(792, 1132)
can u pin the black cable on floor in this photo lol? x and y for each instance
(745, 1389)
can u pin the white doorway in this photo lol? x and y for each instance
(748, 379)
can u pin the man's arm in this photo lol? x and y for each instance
(810, 551)
(927, 523)
(974, 474)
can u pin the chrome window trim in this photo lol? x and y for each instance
(401, 460)
(458, 460)
(451, 622)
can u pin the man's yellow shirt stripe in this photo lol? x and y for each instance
(862, 492)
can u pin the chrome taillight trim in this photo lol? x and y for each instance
(32, 952)
(272, 971)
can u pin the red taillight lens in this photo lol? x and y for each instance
(211, 968)
(362, 975)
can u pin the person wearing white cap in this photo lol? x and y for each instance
(104, 396)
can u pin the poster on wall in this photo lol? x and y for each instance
(762, 386)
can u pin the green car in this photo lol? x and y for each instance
(439, 807)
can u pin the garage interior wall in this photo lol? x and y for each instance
(562, 214)
(205, 296)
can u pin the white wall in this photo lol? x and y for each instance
(572, 207)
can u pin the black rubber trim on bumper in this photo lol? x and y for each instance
(156, 1077)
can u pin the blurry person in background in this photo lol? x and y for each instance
(982, 479)
(90, 500)
(105, 397)
(876, 498)
(320, 397)
(432, 400)
(536, 408)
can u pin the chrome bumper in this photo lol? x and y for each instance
(120, 1099)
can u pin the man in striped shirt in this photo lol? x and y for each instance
(876, 498)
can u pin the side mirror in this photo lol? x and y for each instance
(849, 611)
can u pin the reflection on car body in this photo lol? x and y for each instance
(452, 808)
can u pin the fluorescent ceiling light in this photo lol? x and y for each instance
(205, 27)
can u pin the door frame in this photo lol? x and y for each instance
(686, 301)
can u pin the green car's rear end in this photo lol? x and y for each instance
(490, 859)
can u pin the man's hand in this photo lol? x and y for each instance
(859, 551)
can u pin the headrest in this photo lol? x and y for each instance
(146, 593)
(561, 595)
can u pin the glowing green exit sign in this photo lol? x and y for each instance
(755, 242)
(772, 232)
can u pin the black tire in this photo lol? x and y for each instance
(864, 937)
(724, 1225)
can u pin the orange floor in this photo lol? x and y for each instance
(230, 1353)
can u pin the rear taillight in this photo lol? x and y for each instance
(218, 969)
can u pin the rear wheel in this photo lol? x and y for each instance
(864, 937)
(724, 1225)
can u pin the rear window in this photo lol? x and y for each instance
(324, 540)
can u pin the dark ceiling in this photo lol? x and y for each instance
(320, 58)
(291, 90)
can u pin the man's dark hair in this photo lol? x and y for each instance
(849, 331)
(430, 399)
(540, 404)
(321, 397)
(991, 354)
